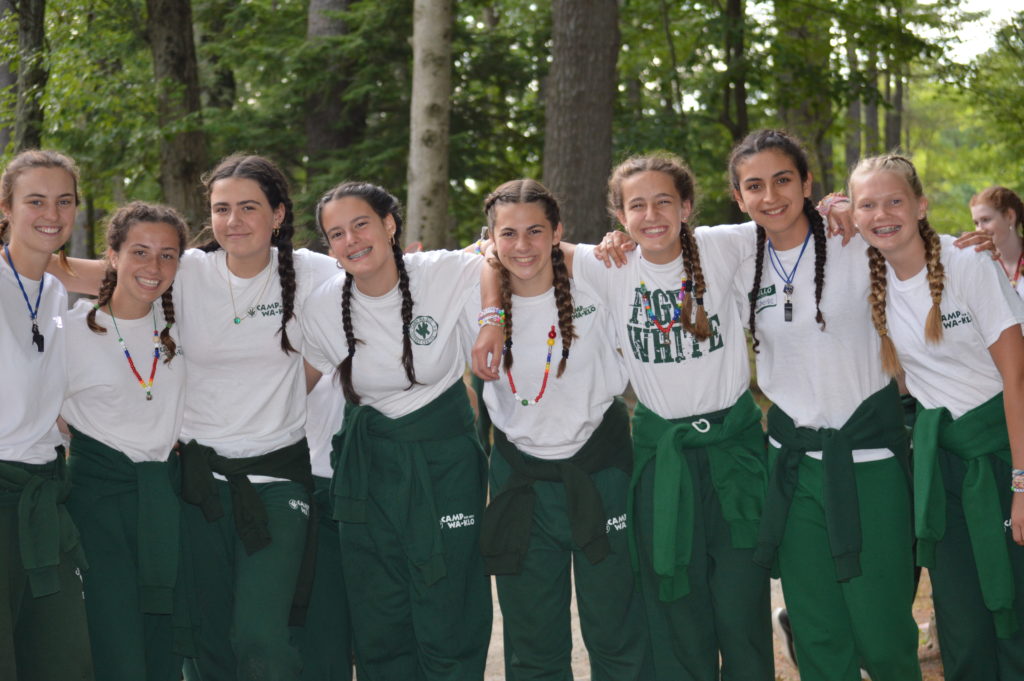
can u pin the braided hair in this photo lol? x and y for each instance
(274, 186)
(383, 204)
(781, 141)
(531, 191)
(31, 159)
(902, 166)
(697, 326)
(118, 227)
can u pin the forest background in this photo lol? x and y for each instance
(442, 101)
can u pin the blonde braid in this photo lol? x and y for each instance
(936, 277)
(876, 297)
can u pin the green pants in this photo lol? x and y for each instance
(728, 608)
(967, 638)
(839, 627)
(245, 600)
(404, 627)
(535, 602)
(325, 642)
(45, 638)
(127, 644)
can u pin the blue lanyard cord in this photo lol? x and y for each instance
(780, 270)
(32, 313)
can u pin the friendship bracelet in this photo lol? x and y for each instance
(825, 205)
(491, 316)
(1017, 481)
(476, 247)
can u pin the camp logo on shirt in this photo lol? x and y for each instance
(582, 311)
(765, 298)
(651, 346)
(423, 330)
(956, 318)
(299, 505)
(457, 520)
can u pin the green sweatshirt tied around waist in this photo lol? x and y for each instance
(736, 460)
(975, 436)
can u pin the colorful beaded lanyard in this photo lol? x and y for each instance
(1016, 273)
(37, 337)
(684, 286)
(785, 276)
(148, 387)
(547, 370)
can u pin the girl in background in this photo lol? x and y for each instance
(43, 632)
(1000, 212)
(124, 405)
(409, 474)
(949, 321)
(562, 458)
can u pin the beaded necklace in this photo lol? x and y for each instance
(251, 310)
(37, 337)
(785, 276)
(684, 285)
(547, 370)
(1016, 273)
(148, 387)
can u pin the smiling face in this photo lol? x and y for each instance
(523, 238)
(998, 225)
(886, 212)
(652, 212)
(146, 264)
(41, 210)
(772, 193)
(243, 222)
(361, 242)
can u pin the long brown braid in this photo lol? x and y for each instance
(531, 191)
(787, 144)
(682, 178)
(118, 228)
(22, 163)
(903, 167)
(383, 204)
(274, 186)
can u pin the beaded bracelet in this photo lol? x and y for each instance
(491, 316)
(825, 205)
(1017, 481)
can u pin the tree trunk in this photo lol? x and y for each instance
(894, 112)
(182, 142)
(581, 91)
(853, 124)
(8, 79)
(32, 74)
(331, 122)
(430, 108)
(871, 136)
(734, 93)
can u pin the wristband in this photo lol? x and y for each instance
(491, 316)
(825, 205)
(1017, 481)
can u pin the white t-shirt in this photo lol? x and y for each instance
(33, 381)
(572, 406)
(104, 399)
(246, 397)
(673, 375)
(819, 377)
(978, 304)
(1020, 287)
(325, 414)
(440, 282)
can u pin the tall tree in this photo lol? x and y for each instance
(32, 73)
(853, 125)
(580, 89)
(734, 89)
(429, 120)
(7, 77)
(182, 141)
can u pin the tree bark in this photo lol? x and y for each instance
(734, 93)
(871, 136)
(332, 121)
(32, 74)
(894, 112)
(182, 142)
(853, 125)
(428, 220)
(581, 91)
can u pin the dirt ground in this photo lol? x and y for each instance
(931, 666)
